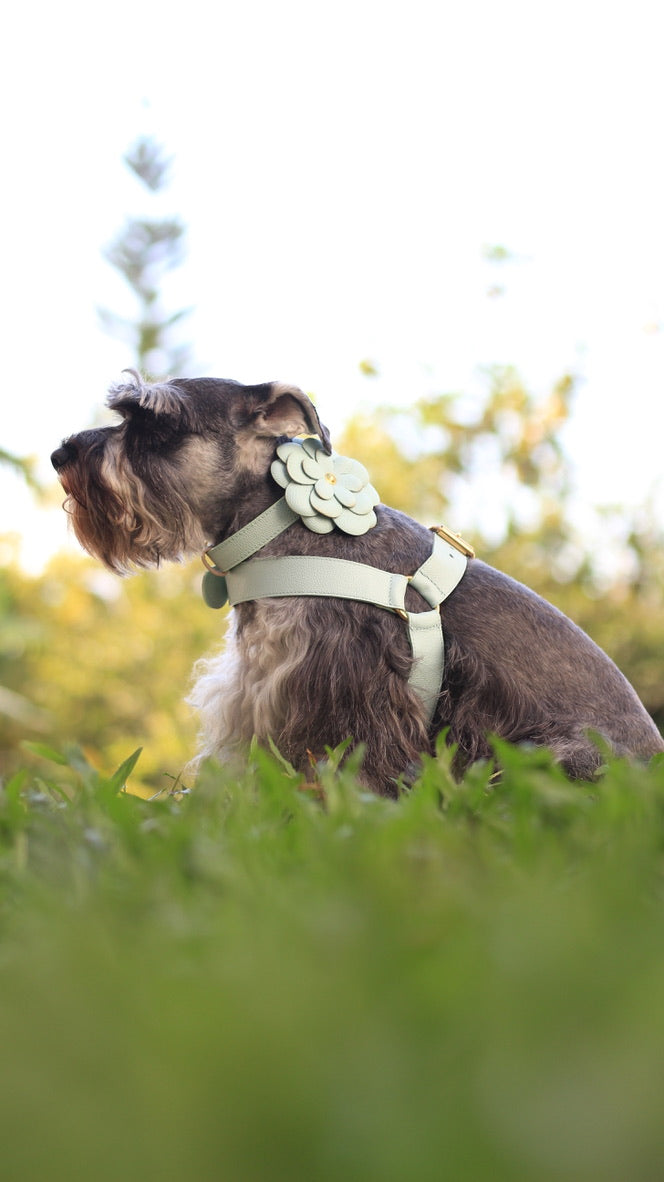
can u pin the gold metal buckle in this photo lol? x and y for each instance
(208, 563)
(399, 611)
(455, 540)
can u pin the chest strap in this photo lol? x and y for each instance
(270, 578)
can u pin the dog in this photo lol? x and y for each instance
(191, 462)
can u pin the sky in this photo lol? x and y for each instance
(342, 168)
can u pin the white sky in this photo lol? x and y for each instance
(341, 167)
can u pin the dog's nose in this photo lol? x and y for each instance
(61, 456)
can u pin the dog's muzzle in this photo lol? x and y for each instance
(62, 456)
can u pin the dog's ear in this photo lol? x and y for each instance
(159, 398)
(279, 409)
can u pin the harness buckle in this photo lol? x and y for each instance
(455, 540)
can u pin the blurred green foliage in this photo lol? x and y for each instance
(248, 983)
(87, 657)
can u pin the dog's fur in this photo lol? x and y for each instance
(189, 465)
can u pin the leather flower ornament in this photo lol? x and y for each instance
(325, 490)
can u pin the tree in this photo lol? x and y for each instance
(143, 253)
(427, 458)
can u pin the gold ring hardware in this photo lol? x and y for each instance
(209, 565)
(399, 610)
(404, 615)
(455, 540)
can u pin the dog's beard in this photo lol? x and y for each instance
(120, 520)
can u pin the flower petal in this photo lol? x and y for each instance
(346, 497)
(330, 508)
(355, 523)
(297, 499)
(366, 500)
(278, 470)
(351, 482)
(294, 467)
(344, 466)
(324, 489)
(286, 449)
(318, 524)
(311, 467)
(312, 446)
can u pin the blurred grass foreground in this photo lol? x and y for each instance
(254, 982)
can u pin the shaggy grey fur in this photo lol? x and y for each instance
(189, 464)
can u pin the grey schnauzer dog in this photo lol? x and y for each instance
(190, 462)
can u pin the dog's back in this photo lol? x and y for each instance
(517, 667)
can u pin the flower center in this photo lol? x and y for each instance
(330, 477)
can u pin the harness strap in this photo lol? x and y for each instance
(252, 537)
(425, 631)
(435, 579)
(270, 578)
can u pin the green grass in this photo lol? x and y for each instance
(246, 984)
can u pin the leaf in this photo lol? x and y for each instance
(119, 778)
(46, 752)
(287, 767)
(14, 786)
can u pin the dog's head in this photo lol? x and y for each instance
(159, 484)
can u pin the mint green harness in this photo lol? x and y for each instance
(232, 577)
